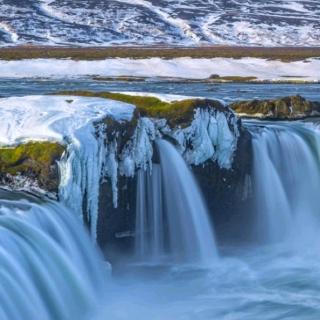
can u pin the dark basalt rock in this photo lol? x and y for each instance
(224, 190)
(290, 108)
(121, 131)
(115, 228)
(227, 191)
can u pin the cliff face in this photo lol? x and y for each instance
(209, 136)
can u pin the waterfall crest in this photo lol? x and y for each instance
(49, 267)
(171, 219)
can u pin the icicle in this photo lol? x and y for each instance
(81, 172)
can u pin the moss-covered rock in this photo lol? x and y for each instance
(293, 107)
(36, 161)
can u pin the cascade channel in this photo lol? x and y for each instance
(286, 181)
(49, 267)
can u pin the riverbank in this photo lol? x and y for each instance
(101, 53)
(185, 68)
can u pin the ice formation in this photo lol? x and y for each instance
(138, 152)
(72, 121)
(77, 123)
(212, 135)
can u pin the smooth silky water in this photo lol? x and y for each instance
(49, 267)
(172, 222)
(50, 270)
(277, 275)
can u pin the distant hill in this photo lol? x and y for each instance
(160, 22)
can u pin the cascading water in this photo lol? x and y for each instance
(49, 267)
(172, 220)
(286, 179)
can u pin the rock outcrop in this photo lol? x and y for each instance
(208, 135)
(31, 166)
(288, 108)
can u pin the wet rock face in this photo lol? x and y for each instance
(222, 186)
(228, 191)
(209, 136)
(293, 107)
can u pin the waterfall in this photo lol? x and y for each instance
(49, 267)
(286, 179)
(172, 220)
(150, 227)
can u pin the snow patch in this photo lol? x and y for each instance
(187, 68)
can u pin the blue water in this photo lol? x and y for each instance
(226, 92)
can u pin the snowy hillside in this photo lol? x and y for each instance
(168, 22)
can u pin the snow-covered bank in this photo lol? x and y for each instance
(53, 117)
(70, 121)
(186, 68)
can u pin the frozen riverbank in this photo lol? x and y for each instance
(184, 68)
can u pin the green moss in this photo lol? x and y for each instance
(34, 159)
(176, 112)
(44, 153)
